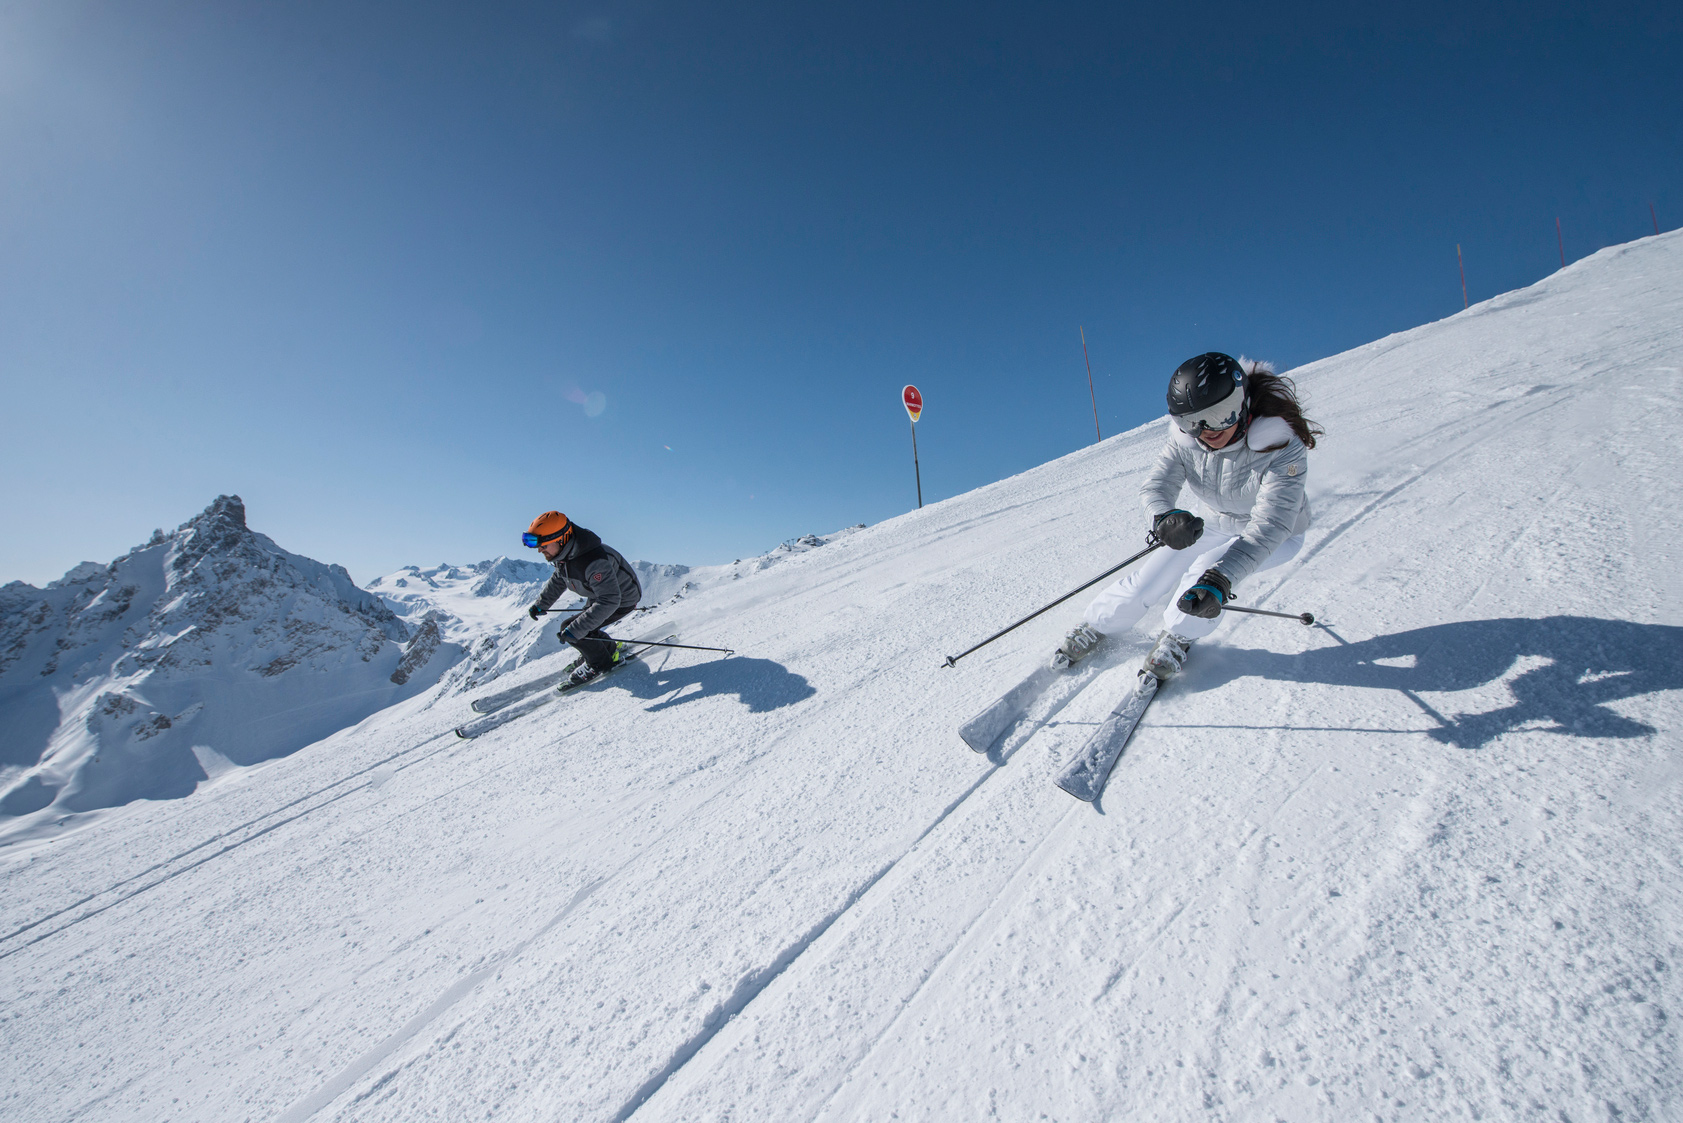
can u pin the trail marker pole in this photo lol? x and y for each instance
(1562, 239)
(1463, 266)
(1655, 217)
(1090, 396)
(913, 402)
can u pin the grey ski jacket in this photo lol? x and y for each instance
(596, 572)
(1253, 490)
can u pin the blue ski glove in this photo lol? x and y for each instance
(1206, 597)
(1178, 529)
(569, 633)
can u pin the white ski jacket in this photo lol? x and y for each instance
(1253, 489)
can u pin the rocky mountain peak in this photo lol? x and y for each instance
(219, 529)
(115, 679)
(227, 507)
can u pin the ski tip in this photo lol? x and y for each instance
(1083, 793)
(982, 731)
(464, 734)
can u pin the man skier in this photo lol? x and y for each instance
(596, 572)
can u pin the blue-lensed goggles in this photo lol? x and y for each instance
(533, 541)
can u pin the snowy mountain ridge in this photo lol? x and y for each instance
(199, 649)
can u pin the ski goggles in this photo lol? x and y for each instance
(533, 541)
(1213, 418)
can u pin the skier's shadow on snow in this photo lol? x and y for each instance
(761, 684)
(1590, 663)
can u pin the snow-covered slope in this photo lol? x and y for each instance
(201, 649)
(1419, 863)
(481, 608)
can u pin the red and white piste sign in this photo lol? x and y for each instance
(914, 402)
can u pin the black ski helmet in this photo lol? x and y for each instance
(1203, 383)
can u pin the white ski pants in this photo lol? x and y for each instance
(1166, 571)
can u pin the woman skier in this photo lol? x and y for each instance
(1240, 442)
(599, 574)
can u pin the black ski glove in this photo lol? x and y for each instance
(534, 612)
(1206, 597)
(568, 633)
(1178, 529)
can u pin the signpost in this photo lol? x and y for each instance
(914, 409)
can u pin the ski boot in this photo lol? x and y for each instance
(582, 674)
(1076, 646)
(1167, 656)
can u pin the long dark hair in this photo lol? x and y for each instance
(1275, 395)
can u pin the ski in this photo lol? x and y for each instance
(981, 731)
(510, 711)
(491, 703)
(506, 714)
(1040, 695)
(1084, 777)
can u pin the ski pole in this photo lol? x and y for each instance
(1301, 617)
(685, 646)
(657, 643)
(1152, 543)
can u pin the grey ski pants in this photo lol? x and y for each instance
(598, 647)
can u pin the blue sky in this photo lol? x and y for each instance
(404, 275)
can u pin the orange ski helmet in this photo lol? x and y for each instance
(551, 526)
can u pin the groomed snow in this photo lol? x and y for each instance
(1420, 863)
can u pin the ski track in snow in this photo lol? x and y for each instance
(1410, 863)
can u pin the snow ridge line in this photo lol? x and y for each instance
(755, 983)
(747, 989)
(357, 1069)
(982, 914)
(156, 866)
